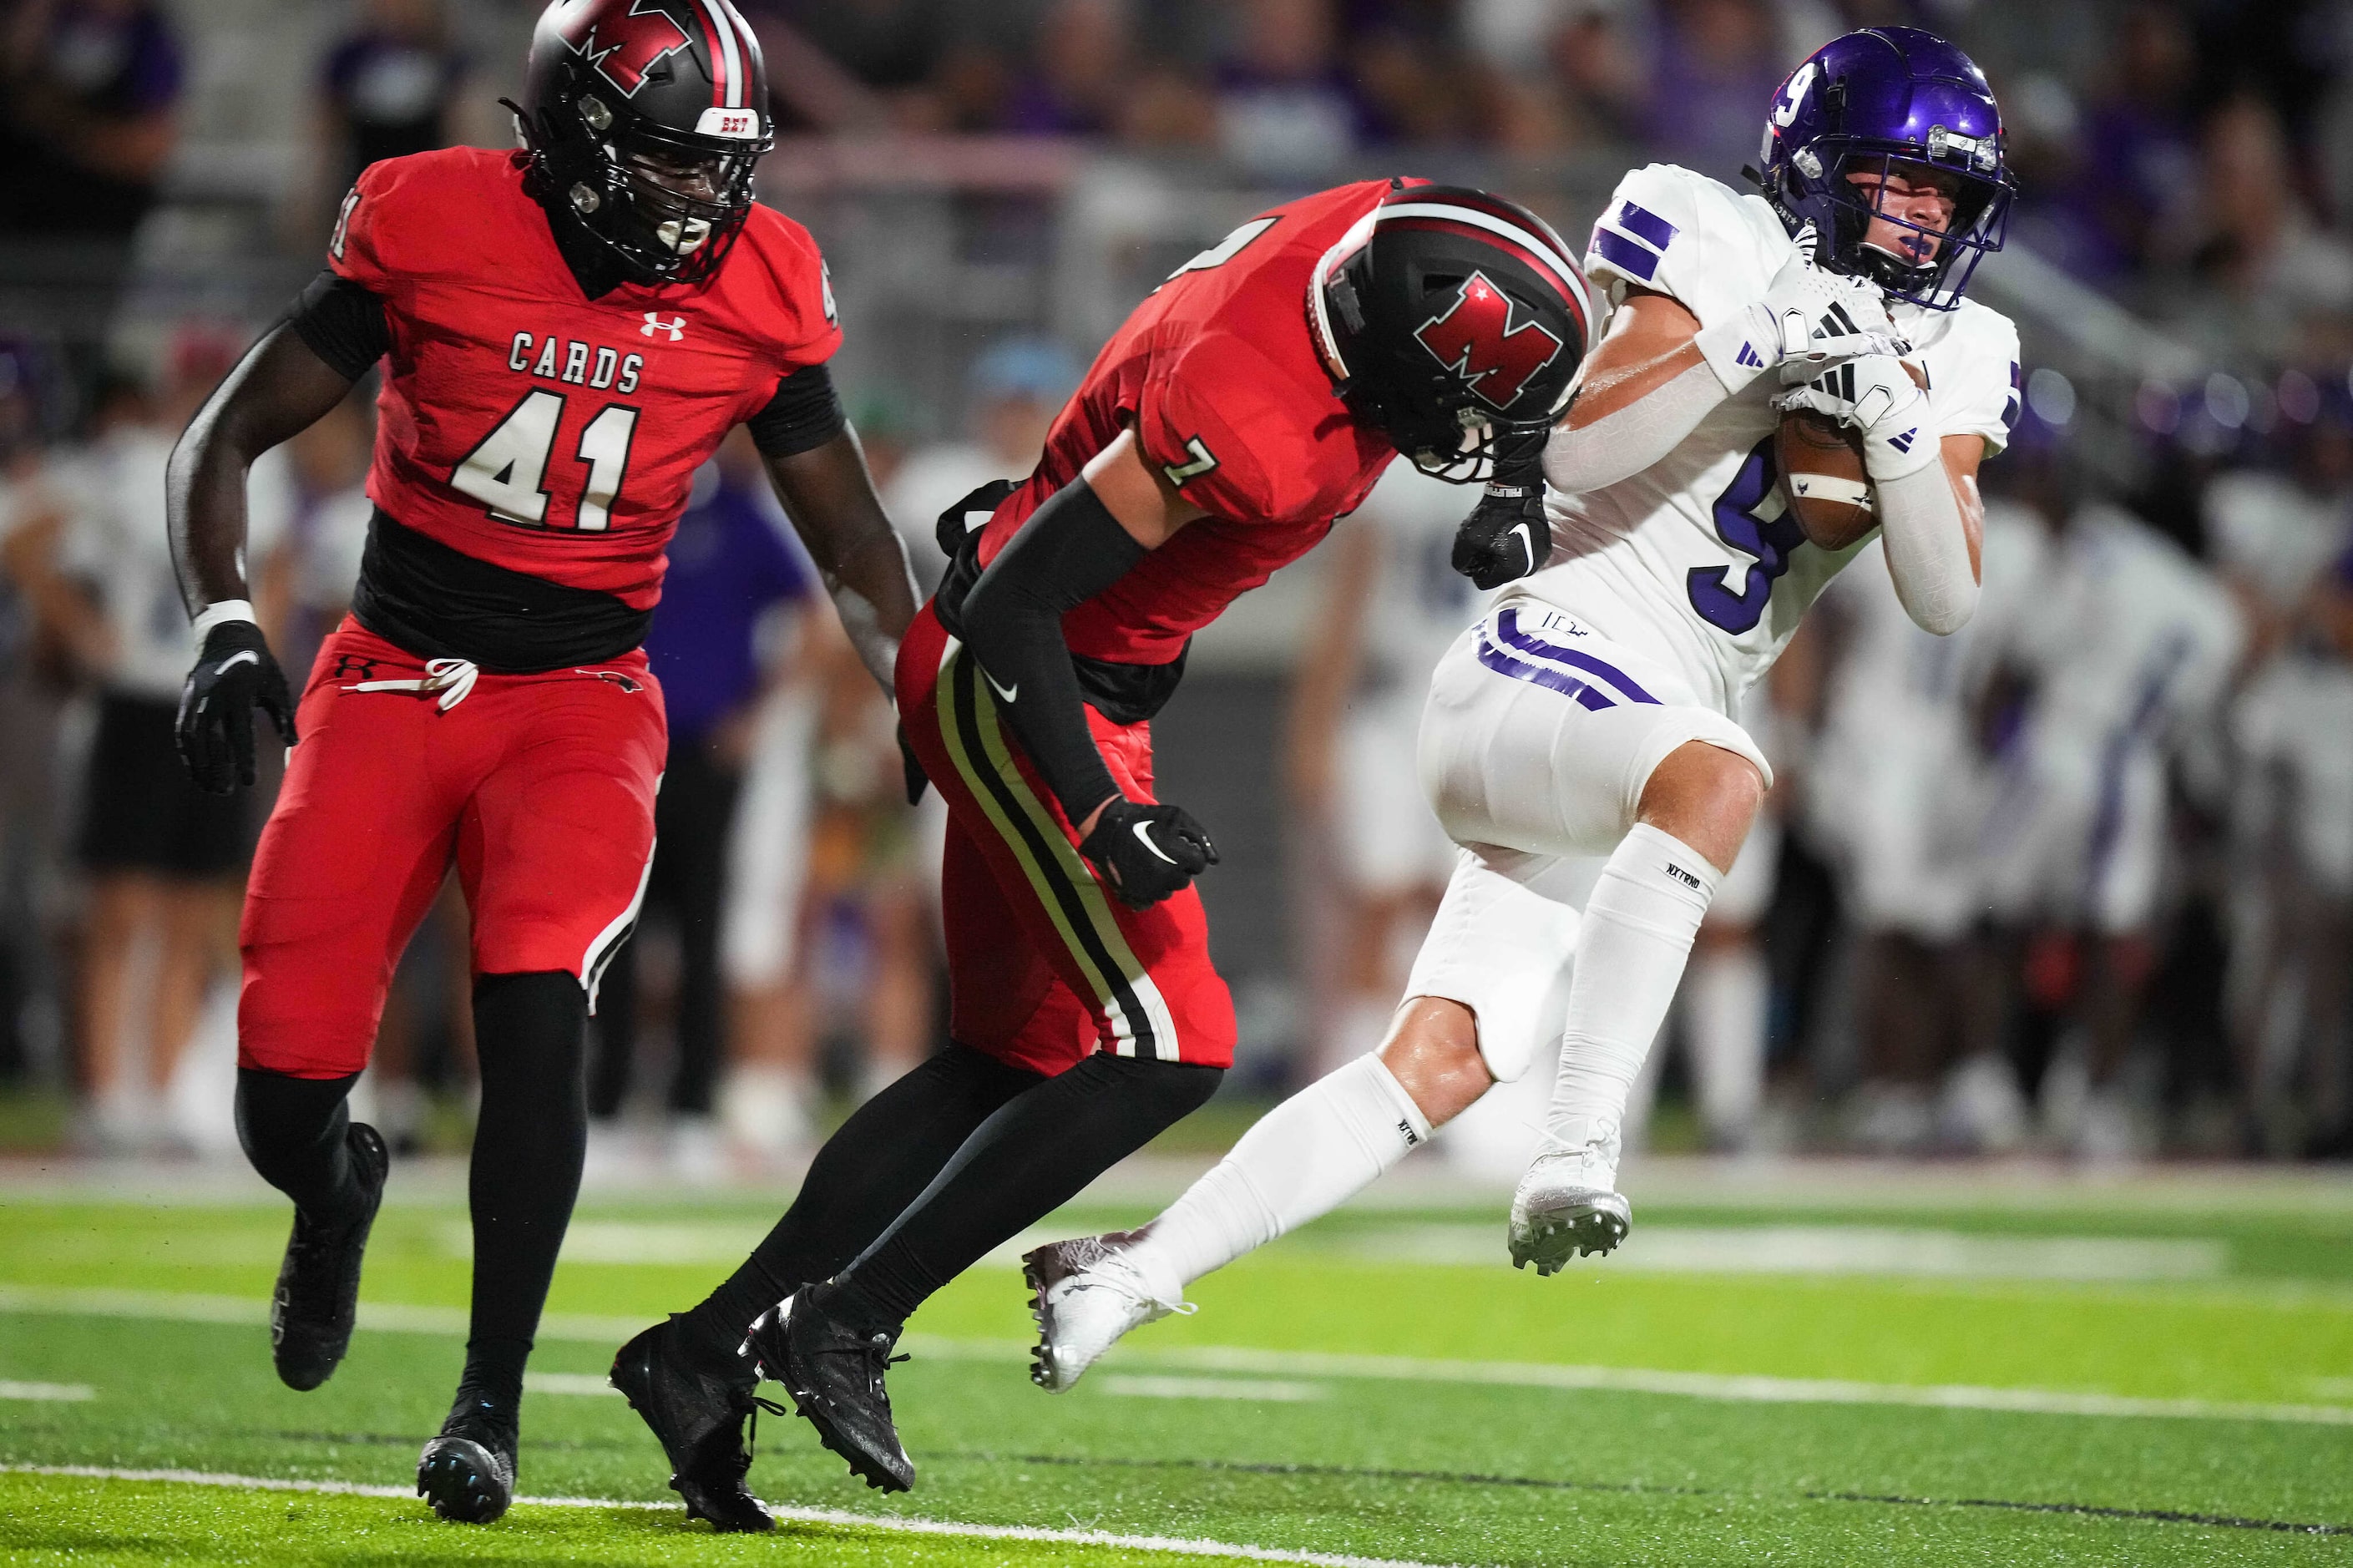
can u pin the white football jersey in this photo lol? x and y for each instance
(1695, 559)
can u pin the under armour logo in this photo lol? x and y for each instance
(675, 326)
(1749, 357)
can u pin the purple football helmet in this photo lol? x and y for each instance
(1870, 102)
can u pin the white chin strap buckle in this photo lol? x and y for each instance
(451, 680)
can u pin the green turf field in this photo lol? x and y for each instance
(1938, 1376)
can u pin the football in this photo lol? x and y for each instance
(1823, 475)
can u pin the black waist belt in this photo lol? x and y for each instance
(439, 602)
(1123, 693)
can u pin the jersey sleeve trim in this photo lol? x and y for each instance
(1635, 231)
(343, 322)
(804, 415)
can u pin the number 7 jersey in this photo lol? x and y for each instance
(527, 425)
(1697, 560)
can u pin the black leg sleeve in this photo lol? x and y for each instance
(864, 1177)
(529, 1031)
(292, 1131)
(614, 1033)
(1024, 1162)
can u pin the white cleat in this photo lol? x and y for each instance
(1084, 1294)
(1566, 1207)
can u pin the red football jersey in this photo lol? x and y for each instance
(536, 429)
(1218, 376)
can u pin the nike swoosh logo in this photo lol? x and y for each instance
(1005, 693)
(1527, 541)
(1145, 839)
(246, 657)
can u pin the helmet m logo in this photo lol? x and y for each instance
(1476, 339)
(622, 48)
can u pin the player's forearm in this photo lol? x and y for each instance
(1595, 449)
(1928, 548)
(830, 497)
(1070, 549)
(280, 388)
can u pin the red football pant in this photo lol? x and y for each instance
(540, 788)
(1046, 966)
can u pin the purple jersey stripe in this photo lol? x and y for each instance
(1507, 626)
(1624, 253)
(1558, 681)
(1644, 224)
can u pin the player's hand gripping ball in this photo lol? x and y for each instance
(1506, 536)
(1148, 852)
(234, 675)
(1819, 446)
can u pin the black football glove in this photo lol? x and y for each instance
(1506, 535)
(1148, 852)
(234, 675)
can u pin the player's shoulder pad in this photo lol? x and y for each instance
(424, 215)
(777, 277)
(1658, 211)
(1983, 343)
(1231, 429)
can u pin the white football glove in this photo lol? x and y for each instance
(1876, 395)
(1808, 321)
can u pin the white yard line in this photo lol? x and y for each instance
(582, 1383)
(1235, 1360)
(69, 1392)
(916, 1526)
(1277, 1390)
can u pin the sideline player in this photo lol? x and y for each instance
(1253, 398)
(568, 333)
(1578, 741)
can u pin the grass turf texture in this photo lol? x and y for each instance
(1432, 1470)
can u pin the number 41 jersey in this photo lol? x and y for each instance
(1697, 559)
(527, 425)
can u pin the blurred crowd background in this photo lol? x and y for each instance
(2078, 883)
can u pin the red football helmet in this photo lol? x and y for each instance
(644, 119)
(1449, 318)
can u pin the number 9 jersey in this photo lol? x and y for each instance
(526, 426)
(1695, 561)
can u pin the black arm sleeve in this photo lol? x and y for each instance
(802, 416)
(342, 323)
(1070, 550)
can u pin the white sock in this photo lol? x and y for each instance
(1302, 1160)
(1727, 993)
(1638, 931)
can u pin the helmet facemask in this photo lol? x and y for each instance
(1980, 218)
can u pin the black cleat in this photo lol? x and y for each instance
(834, 1373)
(319, 1284)
(697, 1413)
(468, 1473)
